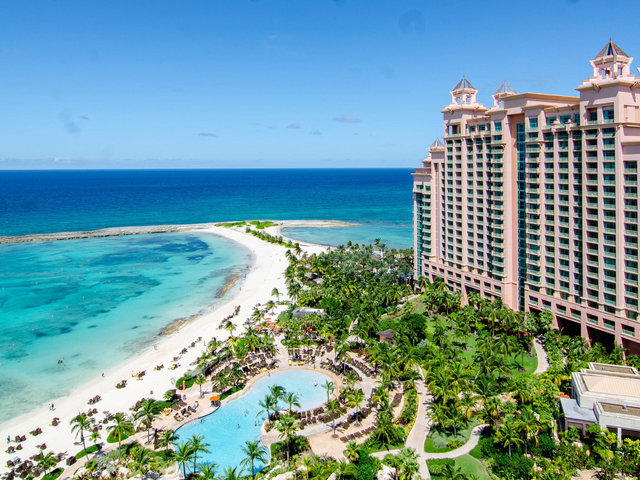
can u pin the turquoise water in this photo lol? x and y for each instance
(61, 300)
(393, 236)
(229, 427)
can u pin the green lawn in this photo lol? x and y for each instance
(468, 465)
(436, 442)
(472, 466)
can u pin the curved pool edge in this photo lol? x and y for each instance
(336, 380)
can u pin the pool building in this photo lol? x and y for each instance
(535, 200)
(607, 395)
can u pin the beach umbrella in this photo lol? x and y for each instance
(215, 398)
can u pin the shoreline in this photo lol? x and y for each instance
(153, 229)
(265, 272)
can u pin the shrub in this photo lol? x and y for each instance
(367, 467)
(436, 466)
(515, 466)
(454, 443)
(546, 446)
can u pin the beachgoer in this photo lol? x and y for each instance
(238, 426)
(255, 424)
(102, 374)
(53, 407)
(8, 438)
(315, 384)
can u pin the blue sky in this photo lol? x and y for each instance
(268, 83)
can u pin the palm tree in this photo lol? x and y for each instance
(330, 387)
(253, 451)
(352, 452)
(508, 435)
(143, 460)
(275, 293)
(277, 392)
(529, 425)
(197, 444)
(169, 437)
(47, 461)
(334, 408)
(287, 427)
(200, 380)
(230, 474)
(208, 471)
(79, 424)
(409, 463)
(267, 405)
(451, 472)
(94, 437)
(121, 427)
(355, 398)
(146, 413)
(292, 399)
(183, 454)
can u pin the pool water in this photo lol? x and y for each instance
(227, 429)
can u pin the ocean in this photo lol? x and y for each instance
(57, 201)
(60, 299)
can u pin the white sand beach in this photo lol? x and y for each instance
(267, 272)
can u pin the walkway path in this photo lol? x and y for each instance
(474, 438)
(418, 433)
(543, 358)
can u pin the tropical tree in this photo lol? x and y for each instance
(94, 437)
(208, 471)
(183, 455)
(120, 427)
(143, 460)
(334, 409)
(47, 461)
(292, 399)
(230, 474)
(408, 463)
(451, 472)
(253, 451)
(352, 451)
(146, 413)
(201, 380)
(81, 423)
(287, 427)
(508, 435)
(198, 445)
(169, 437)
(330, 387)
(277, 392)
(267, 406)
(355, 399)
(528, 424)
(275, 293)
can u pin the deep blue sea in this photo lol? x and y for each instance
(58, 201)
(61, 299)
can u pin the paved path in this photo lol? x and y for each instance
(474, 438)
(418, 433)
(543, 358)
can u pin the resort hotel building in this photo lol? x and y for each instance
(535, 200)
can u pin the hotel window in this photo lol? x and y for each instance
(550, 120)
(607, 115)
(533, 123)
(497, 126)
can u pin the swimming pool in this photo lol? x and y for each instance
(228, 428)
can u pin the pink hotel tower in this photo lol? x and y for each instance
(535, 200)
